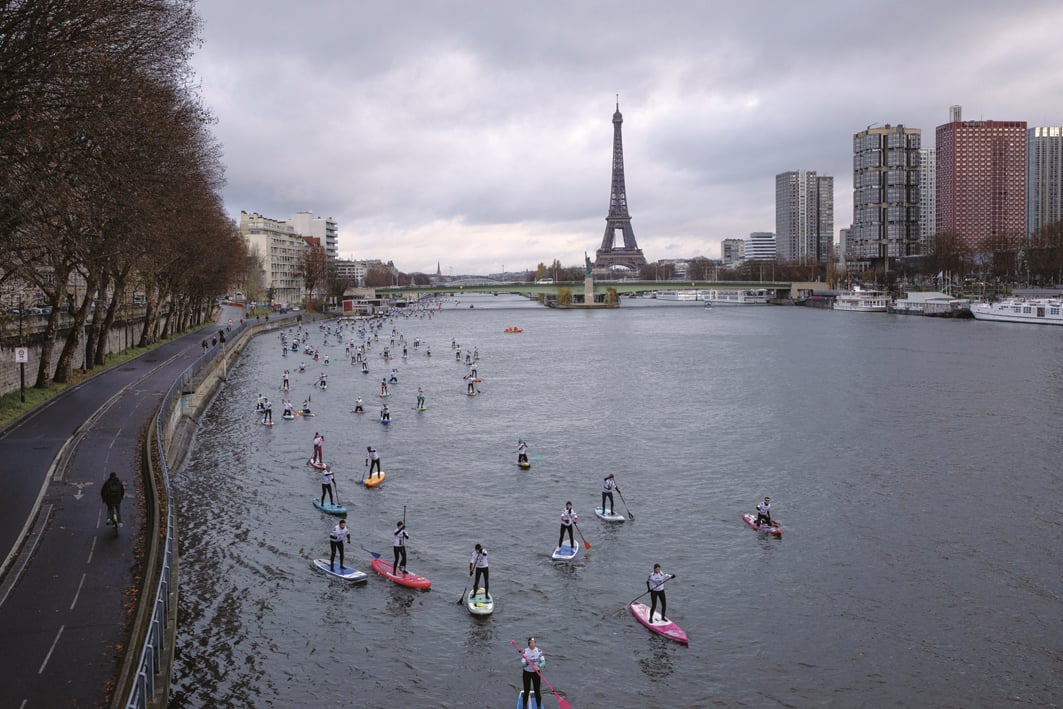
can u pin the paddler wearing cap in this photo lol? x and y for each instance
(764, 512)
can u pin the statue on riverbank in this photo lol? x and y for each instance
(587, 261)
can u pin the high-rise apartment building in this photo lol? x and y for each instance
(928, 180)
(885, 193)
(1044, 176)
(760, 246)
(804, 216)
(323, 228)
(981, 181)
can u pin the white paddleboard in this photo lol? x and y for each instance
(565, 553)
(613, 516)
(346, 573)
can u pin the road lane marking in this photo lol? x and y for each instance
(78, 592)
(51, 650)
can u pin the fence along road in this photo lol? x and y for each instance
(69, 587)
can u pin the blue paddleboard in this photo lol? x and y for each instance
(329, 507)
(532, 704)
(565, 553)
(346, 573)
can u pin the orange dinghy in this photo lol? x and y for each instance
(514, 329)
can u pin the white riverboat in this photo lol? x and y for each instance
(931, 304)
(1041, 311)
(859, 300)
(678, 296)
(746, 296)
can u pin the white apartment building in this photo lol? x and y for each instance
(760, 246)
(323, 228)
(281, 251)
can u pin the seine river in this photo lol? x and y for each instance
(915, 464)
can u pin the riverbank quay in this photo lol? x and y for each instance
(82, 621)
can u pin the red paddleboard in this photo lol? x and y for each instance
(666, 628)
(403, 579)
(775, 530)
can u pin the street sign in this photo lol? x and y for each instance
(22, 354)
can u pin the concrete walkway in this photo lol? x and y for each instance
(69, 584)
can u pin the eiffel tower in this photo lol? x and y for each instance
(629, 255)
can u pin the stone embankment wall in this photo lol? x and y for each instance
(119, 338)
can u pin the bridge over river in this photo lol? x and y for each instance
(781, 289)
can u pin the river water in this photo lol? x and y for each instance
(914, 463)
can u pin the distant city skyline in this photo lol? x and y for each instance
(481, 138)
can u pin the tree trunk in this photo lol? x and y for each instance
(64, 365)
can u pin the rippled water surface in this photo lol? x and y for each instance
(914, 463)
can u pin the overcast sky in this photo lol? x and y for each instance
(478, 134)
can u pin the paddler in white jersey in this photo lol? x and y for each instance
(335, 539)
(479, 562)
(522, 451)
(399, 548)
(267, 412)
(764, 512)
(326, 486)
(608, 485)
(532, 657)
(655, 585)
(568, 518)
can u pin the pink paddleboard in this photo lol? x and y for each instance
(751, 520)
(668, 629)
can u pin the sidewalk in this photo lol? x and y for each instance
(69, 587)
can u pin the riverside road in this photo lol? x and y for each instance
(68, 586)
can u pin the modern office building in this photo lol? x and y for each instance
(804, 216)
(732, 251)
(928, 180)
(885, 193)
(1044, 176)
(760, 246)
(280, 251)
(323, 228)
(981, 181)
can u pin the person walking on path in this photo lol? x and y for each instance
(532, 658)
(319, 442)
(608, 485)
(655, 585)
(336, 537)
(373, 459)
(479, 563)
(327, 477)
(568, 518)
(112, 492)
(399, 548)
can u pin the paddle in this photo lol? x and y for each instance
(586, 544)
(629, 515)
(470, 574)
(562, 703)
(645, 592)
(377, 556)
(364, 471)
